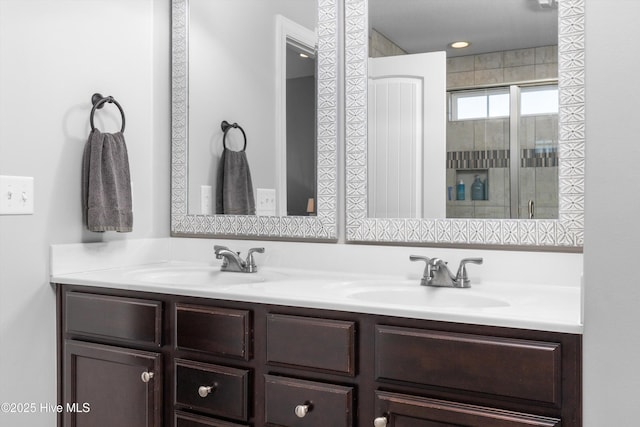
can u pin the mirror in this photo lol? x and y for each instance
(238, 61)
(432, 214)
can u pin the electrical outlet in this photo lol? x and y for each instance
(266, 201)
(16, 195)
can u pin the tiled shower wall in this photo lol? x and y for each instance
(482, 146)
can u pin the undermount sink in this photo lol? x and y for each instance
(190, 275)
(423, 296)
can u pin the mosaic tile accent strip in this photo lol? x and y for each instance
(532, 158)
(491, 159)
(486, 159)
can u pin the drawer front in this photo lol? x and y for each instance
(112, 318)
(184, 419)
(228, 393)
(214, 330)
(327, 404)
(412, 411)
(505, 367)
(305, 342)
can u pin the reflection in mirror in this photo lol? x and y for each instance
(234, 74)
(229, 63)
(490, 147)
(513, 168)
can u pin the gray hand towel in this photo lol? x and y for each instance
(106, 183)
(234, 190)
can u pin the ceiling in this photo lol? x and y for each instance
(419, 26)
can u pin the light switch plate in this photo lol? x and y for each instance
(265, 201)
(16, 195)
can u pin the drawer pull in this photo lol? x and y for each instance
(146, 376)
(380, 422)
(205, 390)
(301, 410)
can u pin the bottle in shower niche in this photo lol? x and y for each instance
(460, 190)
(477, 189)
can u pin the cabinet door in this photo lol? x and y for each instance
(401, 410)
(111, 386)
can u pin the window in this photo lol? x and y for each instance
(480, 104)
(495, 102)
(537, 100)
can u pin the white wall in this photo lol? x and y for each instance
(54, 54)
(612, 228)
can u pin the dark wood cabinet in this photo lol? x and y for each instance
(311, 343)
(299, 403)
(414, 411)
(106, 386)
(496, 366)
(214, 389)
(218, 363)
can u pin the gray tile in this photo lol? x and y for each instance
(547, 187)
(546, 128)
(519, 74)
(499, 187)
(527, 132)
(519, 57)
(546, 54)
(460, 135)
(460, 64)
(488, 61)
(461, 79)
(459, 211)
(489, 76)
(547, 71)
(491, 212)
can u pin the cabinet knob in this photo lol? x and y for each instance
(205, 390)
(146, 376)
(301, 410)
(380, 422)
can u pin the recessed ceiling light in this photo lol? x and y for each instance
(304, 55)
(460, 45)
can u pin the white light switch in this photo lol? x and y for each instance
(16, 195)
(266, 201)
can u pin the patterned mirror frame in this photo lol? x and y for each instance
(323, 226)
(566, 231)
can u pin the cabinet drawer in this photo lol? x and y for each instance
(184, 419)
(119, 319)
(328, 404)
(499, 366)
(228, 393)
(406, 410)
(306, 342)
(213, 330)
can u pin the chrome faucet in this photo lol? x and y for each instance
(436, 272)
(231, 260)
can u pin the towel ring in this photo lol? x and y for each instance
(225, 125)
(98, 102)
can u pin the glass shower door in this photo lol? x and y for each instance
(507, 138)
(538, 149)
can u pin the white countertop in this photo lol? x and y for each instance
(493, 303)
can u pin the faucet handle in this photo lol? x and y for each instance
(461, 277)
(427, 275)
(251, 263)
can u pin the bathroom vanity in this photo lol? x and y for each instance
(157, 357)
